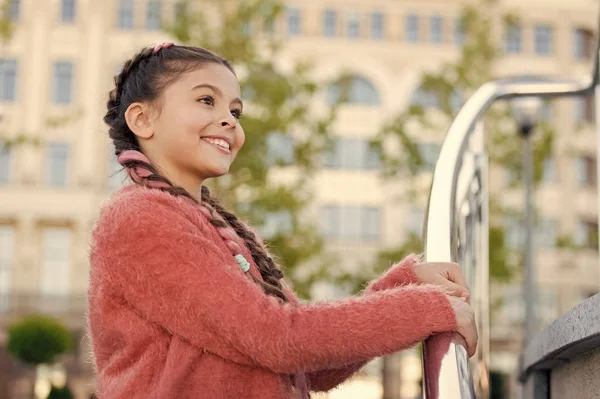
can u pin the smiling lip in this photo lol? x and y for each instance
(215, 144)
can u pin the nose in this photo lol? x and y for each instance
(228, 121)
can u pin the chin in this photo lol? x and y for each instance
(215, 172)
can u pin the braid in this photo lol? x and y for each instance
(269, 272)
(114, 98)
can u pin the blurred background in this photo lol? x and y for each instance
(347, 104)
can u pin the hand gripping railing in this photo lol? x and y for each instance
(456, 223)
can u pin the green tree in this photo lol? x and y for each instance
(475, 66)
(38, 340)
(278, 110)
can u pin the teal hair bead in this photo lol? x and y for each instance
(242, 262)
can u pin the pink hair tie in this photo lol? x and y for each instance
(132, 155)
(158, 47)
(138, 173)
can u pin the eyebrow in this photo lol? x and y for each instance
(237, 100)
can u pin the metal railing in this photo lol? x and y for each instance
(456, 223)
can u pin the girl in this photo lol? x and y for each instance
(184, 299)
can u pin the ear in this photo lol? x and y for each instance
(137, 116)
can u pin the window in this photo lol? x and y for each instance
(153, 15)
(370, 223)
(546, 233)
(247, 28)
(329, 23)
(412, 28)
(586, 234)
(436, 29)
(280, 149)
(415, 221)
(456, 101)
(330, 221)
(360, 92)
(546, 113)
(67, 10)
(269, 25)
(353, 26)
(425, 99)
(126, 14)
(15, 10)
(63, 82)
(352, 154)
(294, 21)
(586, 171)
(277, 223)
(429, 154)
(512, 233)
(7, 261)
(350, 222)
(432, 100)
(56, 261)
(549, 172)
(459, 34)
(377, 26)
(5, 163)
(8, 79)
(584, 109)
(584, 43)
(543, 40)
(56, 167)
(513, 39)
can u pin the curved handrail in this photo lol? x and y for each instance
(441, 242)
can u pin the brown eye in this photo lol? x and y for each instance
(208, 100)
(237, 113)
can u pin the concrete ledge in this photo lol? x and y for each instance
(574, 333)
(579, 379)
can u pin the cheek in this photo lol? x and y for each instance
(193, 123)
(240, 138)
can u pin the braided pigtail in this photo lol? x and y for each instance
(268, 271)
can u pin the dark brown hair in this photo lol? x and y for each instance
(143, 79)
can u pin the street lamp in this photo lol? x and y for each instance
(526, 111)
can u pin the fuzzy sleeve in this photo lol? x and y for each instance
(399, 274)
(171, 272)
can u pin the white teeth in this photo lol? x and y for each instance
(219, 142)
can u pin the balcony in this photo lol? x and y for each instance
(70, 309)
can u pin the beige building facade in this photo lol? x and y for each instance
(57, 69)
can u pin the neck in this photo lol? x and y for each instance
(190, 182)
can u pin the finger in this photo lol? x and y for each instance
(458, 339)
(457, 275)
(455, 289)
(472, 339)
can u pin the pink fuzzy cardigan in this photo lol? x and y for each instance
(172, 315)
